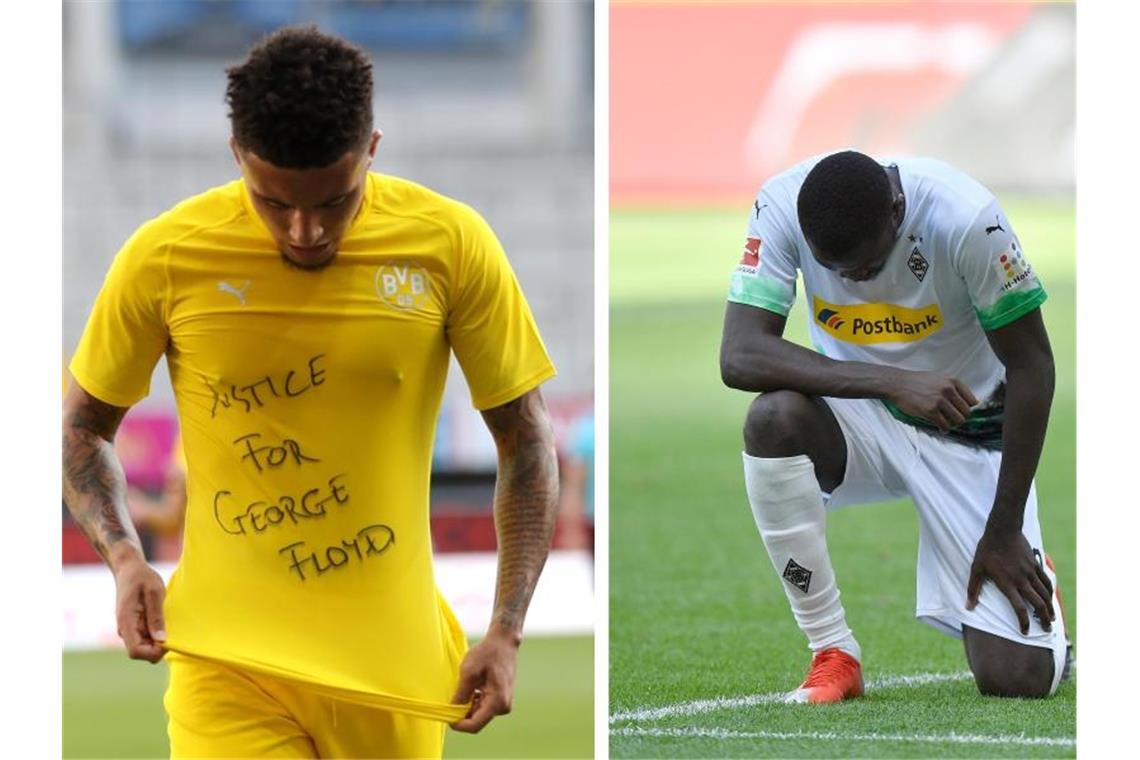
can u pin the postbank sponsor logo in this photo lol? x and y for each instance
(876, 322)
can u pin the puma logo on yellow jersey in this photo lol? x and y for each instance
(876, 322)
(238, 293)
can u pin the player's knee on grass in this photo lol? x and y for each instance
(788, 424)
(1004, 668)
(776, 424)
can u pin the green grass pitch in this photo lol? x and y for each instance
(112, 706)
(696, 611)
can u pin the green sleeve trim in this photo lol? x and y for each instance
(762, 292)
(1010, 308)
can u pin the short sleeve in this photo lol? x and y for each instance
(766, 274)
(126, 332)
(489, 324)
(1002, 284)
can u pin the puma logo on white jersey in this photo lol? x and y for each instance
(238, 293)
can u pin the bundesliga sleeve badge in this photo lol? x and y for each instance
(750, 261)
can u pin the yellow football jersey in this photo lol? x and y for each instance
(307, 402)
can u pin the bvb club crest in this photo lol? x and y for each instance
(404, 286)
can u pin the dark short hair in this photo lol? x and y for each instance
(845, 201)
(302, 99)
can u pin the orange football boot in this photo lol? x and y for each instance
(833, 677)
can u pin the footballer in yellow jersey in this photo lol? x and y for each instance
(307, 313)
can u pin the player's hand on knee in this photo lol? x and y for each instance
(487, 681)
(942, 400)
(140, 592)
(1009, 561)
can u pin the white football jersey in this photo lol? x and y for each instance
(957, 270)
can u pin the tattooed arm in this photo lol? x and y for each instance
(95, 492)
(526, 501)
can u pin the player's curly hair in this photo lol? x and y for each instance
(845, 201)
(302, 99)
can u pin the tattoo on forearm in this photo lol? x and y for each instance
(526, 501)
(94, 486)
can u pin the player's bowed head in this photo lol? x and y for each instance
(850, 214)
(301, 115)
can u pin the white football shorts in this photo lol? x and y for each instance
(953, 486)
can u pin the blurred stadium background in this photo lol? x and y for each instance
(489, 102)
(706, 102)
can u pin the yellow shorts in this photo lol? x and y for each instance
(215, 710)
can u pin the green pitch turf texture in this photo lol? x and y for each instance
(696, 610)
(112, 707)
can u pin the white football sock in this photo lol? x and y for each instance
(788, 509)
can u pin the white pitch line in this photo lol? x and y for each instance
(701, 706)
(950, 738)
